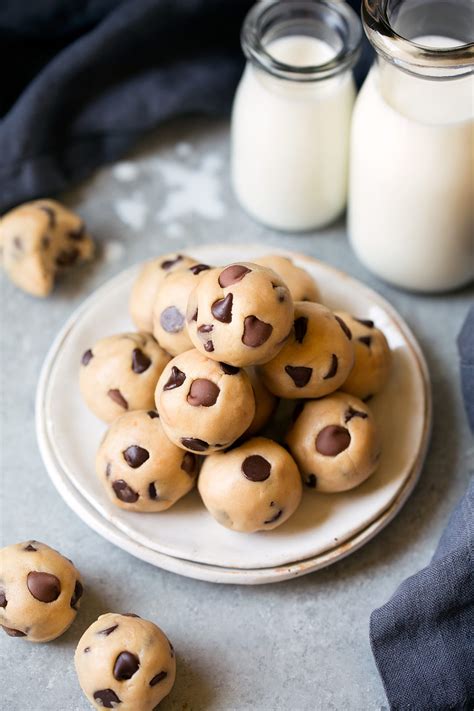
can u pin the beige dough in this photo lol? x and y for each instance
(240, 314)
(334, 442)
(255, 487)
(40, 591)
(169, 308)
(301, 284)
(39, 239)
(120, 373)
(315, 360)
(146, 285)
(373, 358)
(204, 405)
(265, 403)
(140, 468)
(124, 662)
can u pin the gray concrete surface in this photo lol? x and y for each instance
(296, 645)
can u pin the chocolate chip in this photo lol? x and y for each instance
(311, 481)
(152, 414)
(332, 440)
(3, 599)
(350, 413)
(78, 234)
(158, 677)
(140, 361)
(108, 470)
(189, 463)
(197, 445)
(115, 395)
(126, 665)
(281, 292)
(86, 357)
(229, 369)
(365, 322)
(256, 332)
(256, 468)
(300, 375)
(301, 326)
(232, 274)
(344, 327)
(12, 632)
(45, 242)
(77, 594)
(205, 328)
(222, 309)
(209, 346)
(124, 492)
(171, 262)
(275, 517)
(194, 317)
(135, 456)
(29, 547)
(44, 587)
(203, 392)
(198, 268)
(107, 631)
(67, 257)
(107, 698)
(175, 380)
(86, 649)
(172, 320)
(152, 491)
(366, 340)
(332, 368)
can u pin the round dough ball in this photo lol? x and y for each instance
(146, 285)
(301, 284)
(315, 360)
(40, 591)
(255, 487)
(240, 314)
(334, 442)
(169, 308)
(124, 662)
(265, 403)
(373, 358)
(140, 468)
(120, 373)
(204, 405)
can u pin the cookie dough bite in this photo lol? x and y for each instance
(265, 403)
(147, 283)
(204, 405)
(334, 442)
(315, 360)
(125, 662)
(120, 373)
(240, 314)
(169, 308)
(140, 468)
(254, 487)
(301, 284)
(373, 358)
(39, 239)
(40, 591)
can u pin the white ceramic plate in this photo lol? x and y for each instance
(186, 539)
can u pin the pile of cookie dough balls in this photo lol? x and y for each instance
(189, 395)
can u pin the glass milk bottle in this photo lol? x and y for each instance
(292, 111)
(411, 198)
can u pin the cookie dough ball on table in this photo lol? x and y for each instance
(120, 373)
(124, 662)
(334, 442)
(301, 284)
(265, 403)
(169, 308)
(240, 314)
(255, 487)
(40, 591)
(147, 283)
(315, 360)
(39, 239)
(140, 468)
(204, 405)
(373, 358)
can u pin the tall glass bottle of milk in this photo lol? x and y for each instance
(292, 111)
(411, 198)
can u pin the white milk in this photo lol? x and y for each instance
(290, 140)
(411, 199)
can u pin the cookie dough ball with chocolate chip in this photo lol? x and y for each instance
(204, 405)
(315, 360)
(120, 372)
(373, 358)
(124, 662)
(240, 314)
(334, 442)
(254, 487)
(40, 591)
(147, 283)
(301, 284)
(39, 239)
(140, 468)
(169, 308)
(265, 403)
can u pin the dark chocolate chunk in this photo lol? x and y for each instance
(365, 322)
(135, 455)
(366, 340)
(350, 413)
(86, 357)
(175, 380)
(344, 327)
(51, 214)
(300, 375)
(275, 517)
(189, 463)
(124, 492)
(301, 326)
(198, 268)
(30, 547)
(12, 632)
(77, 594)
(256, 468)
(194, 317)
(232, 274)
(44, 587)
(256, 332)
(209, 346)
(197, 445)
(152, 491)
(332, 368)
(86, 649)
(126, 665)
(140, 361)
(107, 698)
(311, 481)
(205, 328)
(3, 599)
(222, 309)
(152, 414)
(67, 257)
(172, 320)
(107, 631)
(115, 395)
(158, 677)
(229, 369)
(171, 262)
(203, 392)
(78, 234)
(332, 440)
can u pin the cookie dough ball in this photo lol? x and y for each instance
(147, 283)
(204, 405)
(373, 358)
(40, 591)
(255, 487)
(301, 284)
(39, 239)
(240, 314)
(315, 360)
(120, 373)
(124, 662)
(334, 442)
(140, 468)
(265, 403)
(169, 308)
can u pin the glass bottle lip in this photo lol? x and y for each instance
(340, 18)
